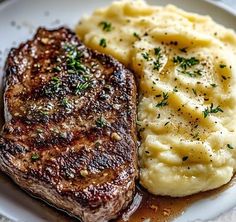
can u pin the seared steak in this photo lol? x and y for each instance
(69, 136)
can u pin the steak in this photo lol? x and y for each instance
(70, 135)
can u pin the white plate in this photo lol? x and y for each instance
(18, 21)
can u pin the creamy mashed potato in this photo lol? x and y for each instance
(185, 65)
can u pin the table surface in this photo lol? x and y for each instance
(227, 217)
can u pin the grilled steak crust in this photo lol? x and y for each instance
(69, 136)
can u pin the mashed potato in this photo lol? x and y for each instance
(185, 65)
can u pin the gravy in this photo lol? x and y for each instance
(163, 209)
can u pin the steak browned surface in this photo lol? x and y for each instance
(69, 136)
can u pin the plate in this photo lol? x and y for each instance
(18, 22)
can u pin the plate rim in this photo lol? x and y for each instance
(217, 3)
(222, 5)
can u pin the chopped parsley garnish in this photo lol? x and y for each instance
(197, 72)
(65, 102)
(101, 122)
(35, 156)
(211, 109)
(175, 89)
(230, 147)
(103, 43)
(194, 73)
(185, 63)
(55, 80)
(194, 91)
(157, 51)
(136, 36)
(164, 101)
(185, 158)
(81, 87)
(213, 85)
(106, 26)
(56, 69)
(157, 64)
(146, 56)
(222, 66)
(166, 123)
(195, 135)
(54, 86)
(73, 60)
(74, 66)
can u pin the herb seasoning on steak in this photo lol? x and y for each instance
(70, 136)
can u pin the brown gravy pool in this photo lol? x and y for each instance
(163, 209)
